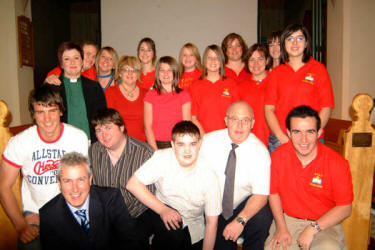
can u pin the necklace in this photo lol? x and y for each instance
(129, 93)
(105, 76)
(258, 81)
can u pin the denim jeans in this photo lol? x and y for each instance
(273, 143)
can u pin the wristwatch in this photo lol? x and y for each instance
(241, 220)
(316, 226)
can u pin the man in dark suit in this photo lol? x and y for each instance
(84, 216)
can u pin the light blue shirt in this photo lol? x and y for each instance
(84, 206)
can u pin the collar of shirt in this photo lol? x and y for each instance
(84, 206)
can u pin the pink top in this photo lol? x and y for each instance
(166, 111)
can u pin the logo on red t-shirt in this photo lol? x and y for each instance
(225, 92)
(317, 181)
(309, 78)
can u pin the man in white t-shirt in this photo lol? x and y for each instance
(36, 152)
(245, 208)
(187, 200)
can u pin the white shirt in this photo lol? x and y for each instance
(84, 206)
(38, 161)
(193, 192)
(252, 164)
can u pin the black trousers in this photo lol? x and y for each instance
(143, 229)
(255, 231)
(165, 239)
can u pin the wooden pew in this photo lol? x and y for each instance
(334, 134)
(8, 235)
(359, 150)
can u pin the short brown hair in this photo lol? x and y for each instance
(229, 38)
(67, 46)
(88, 43)
(106, 116)
(255, 47)
(47, 96)
(185, 127)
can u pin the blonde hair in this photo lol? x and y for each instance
(196, 54)
(113, 54)
(130, 61)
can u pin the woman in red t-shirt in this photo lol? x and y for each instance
(298, 80)
(165, 104)
(253, 90)
(127, 97)
(273, 42)
(106, 63)
(234, 49)
(147, 55)
(213, 92)
(190, 65)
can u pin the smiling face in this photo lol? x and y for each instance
(75, 184)
(186, 148)
(106, 62)
(295, 45)
(47, 119)
(304, 135)
(72, 63)
(145, 53)
(239, 121)
(89, 56)
(166, 75)
(257, 64)
(110, 135)
(212, 62)
(234, 50)
(188, 59)
(274, 49)
(128, 75)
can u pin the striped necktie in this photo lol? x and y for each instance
(84, 222)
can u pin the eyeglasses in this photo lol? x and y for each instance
(129, 70)
(292, 39)
(244, 122)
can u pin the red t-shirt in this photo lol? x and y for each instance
(242, 76)
(90, 73)
(188, 78)
(166, 111)
(287, 89)
(131, 111)
(211, 101)
(147, 81)
(309, 192)
(254, 93)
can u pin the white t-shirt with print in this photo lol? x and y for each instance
(38, 161)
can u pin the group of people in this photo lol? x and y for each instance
(195, 154)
